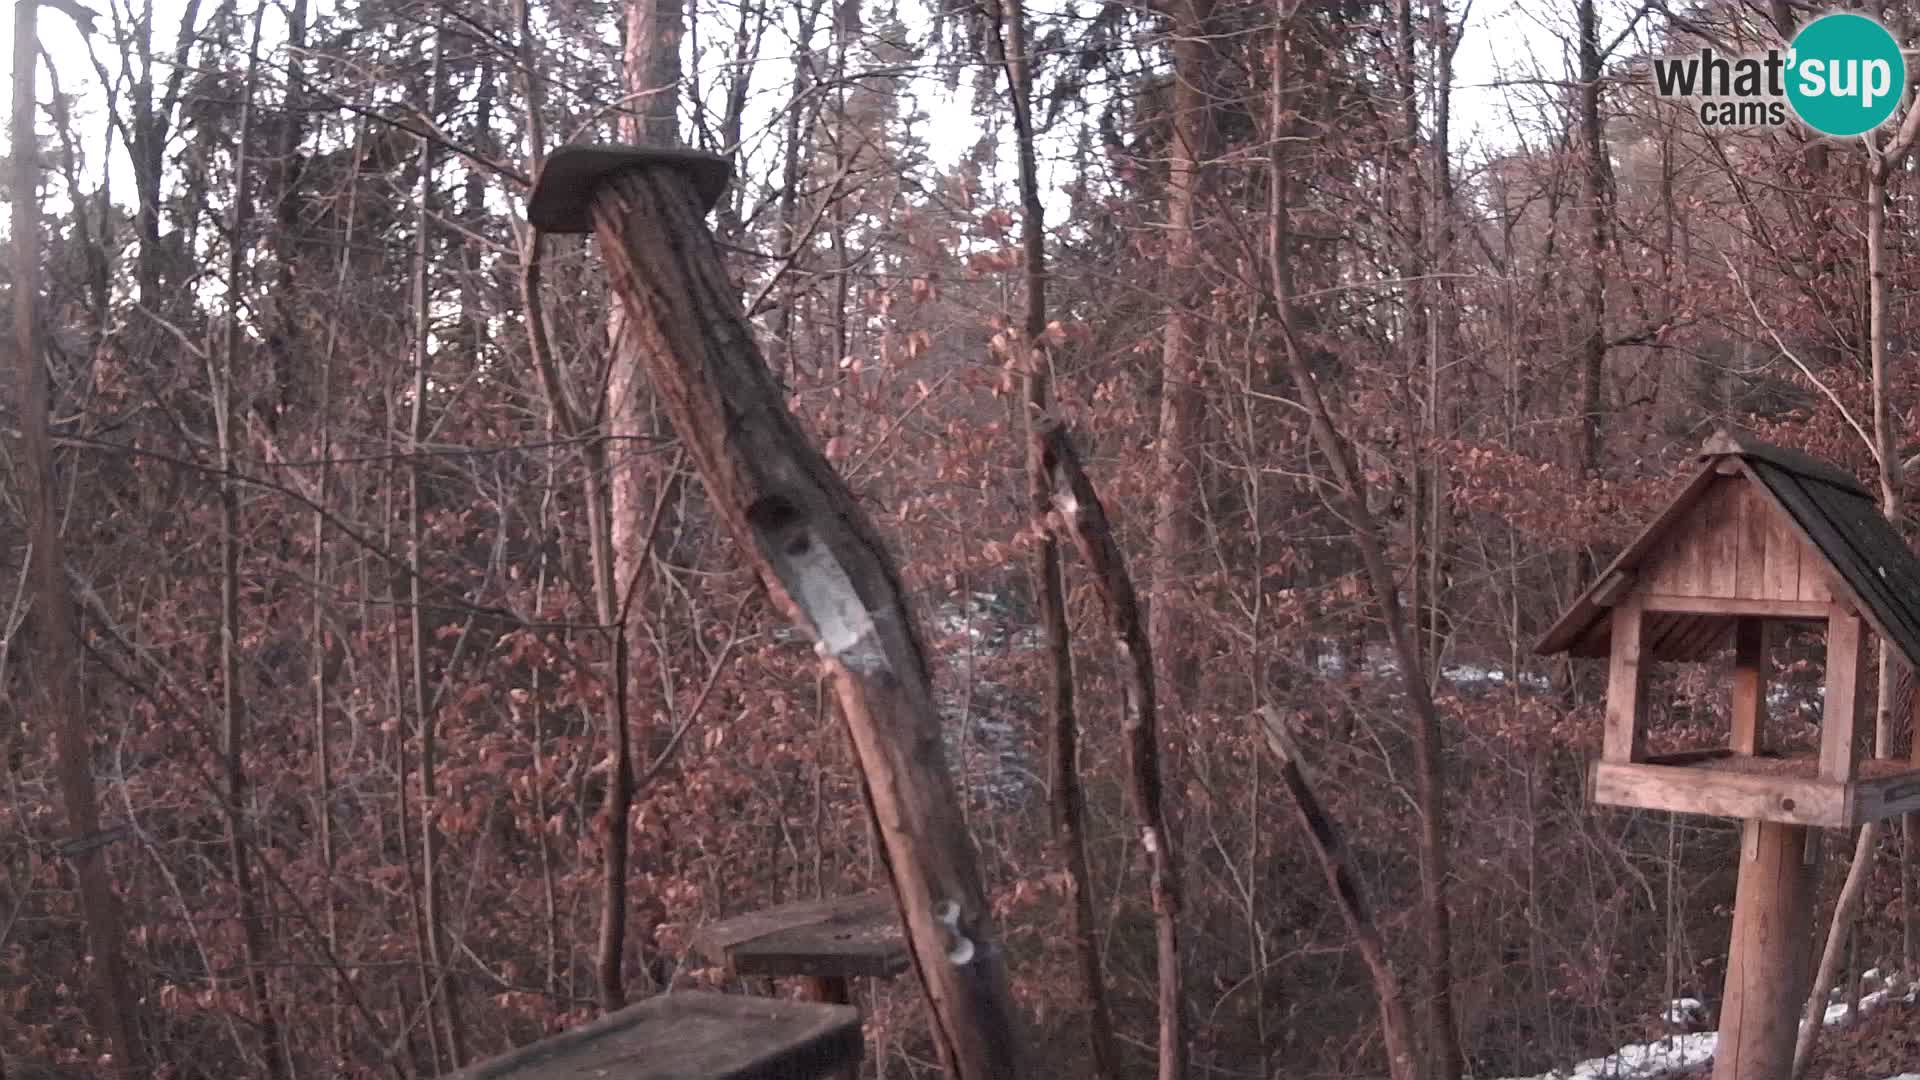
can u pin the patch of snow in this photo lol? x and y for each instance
(1641, 1059)
(1686, 1010)
(1869, 1002)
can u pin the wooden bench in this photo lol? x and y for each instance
(693, 1036)
(825, 942)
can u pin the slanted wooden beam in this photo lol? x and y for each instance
(814, 549)
(1610, 590)
(1625, 739)
(1749, 685)
(1846, 666)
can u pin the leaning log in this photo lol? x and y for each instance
(1077, 507)
(1396, 1024)
(823, 565)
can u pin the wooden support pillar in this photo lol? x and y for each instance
(1749, 685)
(829, 989)
(1846, 664)
(1767, 964)
(833, 990)
(825, 569)
(1625, 738)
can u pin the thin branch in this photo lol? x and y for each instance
(1797, 362)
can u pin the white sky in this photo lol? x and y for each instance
(1503, 40)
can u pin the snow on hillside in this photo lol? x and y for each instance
(1644, 1061)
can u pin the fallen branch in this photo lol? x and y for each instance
(1395, 1022)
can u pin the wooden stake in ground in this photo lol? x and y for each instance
(823, 565)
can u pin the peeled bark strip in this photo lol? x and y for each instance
(1396, 1024)
(1079, 507)
(825, 569)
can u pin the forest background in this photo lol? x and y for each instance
(381, 642)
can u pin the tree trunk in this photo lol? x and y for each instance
(1175, 470)
(825, 569)
(445, 990)
(1069, 800)
(1073, 498)
(321, 650)
(1595, 184)
(1443, 1047)
(651, 73)
(1442, 325)
(59, 695)
(223, 362)
(1846, 908)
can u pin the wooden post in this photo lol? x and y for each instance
(1846, 662)
(1767, 965)
(1749, 685)
(822, 564)
(833, 990)
(1626, 737)
(829, 989)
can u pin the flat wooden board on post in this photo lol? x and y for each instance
(692, 1036)
(841, 937)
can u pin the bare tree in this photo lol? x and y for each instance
(1069, 798)
(58, 692)
(233, 704)
(1881, 164)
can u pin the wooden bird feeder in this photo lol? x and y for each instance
(1760, 537)
(693, 1036)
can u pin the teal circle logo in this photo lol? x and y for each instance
(1846, 75)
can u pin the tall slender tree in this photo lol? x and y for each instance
(59, 692)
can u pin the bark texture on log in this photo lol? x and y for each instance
(825, 569)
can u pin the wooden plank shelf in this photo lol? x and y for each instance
(843, 937)
(693, 1036)
(1786, 789)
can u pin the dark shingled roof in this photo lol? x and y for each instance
(1836, 514)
